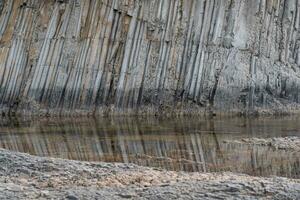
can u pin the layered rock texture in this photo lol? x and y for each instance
(68, 55)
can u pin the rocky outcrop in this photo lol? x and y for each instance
(27, 177)
(68, 55)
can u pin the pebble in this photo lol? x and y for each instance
(71, 197)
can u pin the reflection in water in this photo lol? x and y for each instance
(189, 144)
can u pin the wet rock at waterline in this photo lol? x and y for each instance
(191, 55)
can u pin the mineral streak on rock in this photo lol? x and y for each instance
(60, 56)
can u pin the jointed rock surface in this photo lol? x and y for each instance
(153, 56)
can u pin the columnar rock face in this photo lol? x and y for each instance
(60, 55)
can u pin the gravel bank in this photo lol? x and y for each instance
(285, 143)
(28, 177)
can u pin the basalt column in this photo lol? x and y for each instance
(91, 55)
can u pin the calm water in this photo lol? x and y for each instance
(189, 144)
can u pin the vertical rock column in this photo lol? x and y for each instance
(88, 55)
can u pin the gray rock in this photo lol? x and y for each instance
(172, 56)
(71, 197)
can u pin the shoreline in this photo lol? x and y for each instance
(144, 111)
(24, 176)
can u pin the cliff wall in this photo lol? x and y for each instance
(95, 55)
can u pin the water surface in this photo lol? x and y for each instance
(181, 144)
